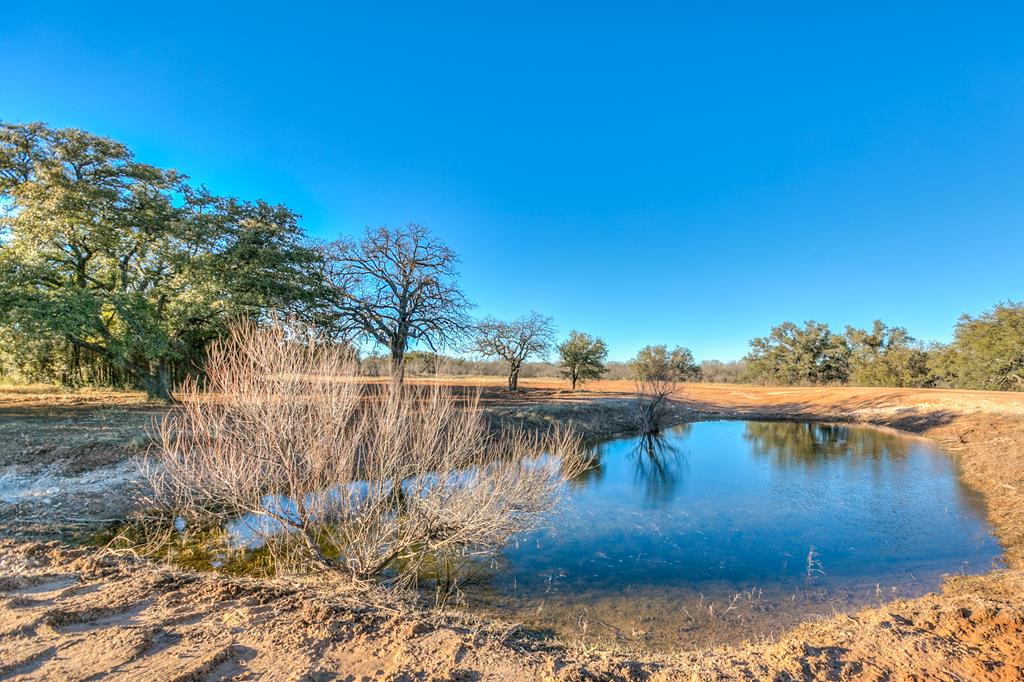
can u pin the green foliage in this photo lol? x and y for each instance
(886, 356)
(987, 351)
(792, 355)
(129, 263)
(422, 362)
(656, 363)
(582, 357)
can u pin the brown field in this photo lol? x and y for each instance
(74, 613)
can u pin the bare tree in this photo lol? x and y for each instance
(515, 341)
(653, 395)
(397, 287)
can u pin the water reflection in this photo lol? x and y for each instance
(808, 443)
(659, 463)
(659, 466)
(723, 517)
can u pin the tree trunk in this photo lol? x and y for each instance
(513, 379)
(158, 383)
(573, 379)
(398, 366)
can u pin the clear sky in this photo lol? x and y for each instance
(649, 172)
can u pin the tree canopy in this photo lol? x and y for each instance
(128, 262)
(658, 363)
(987, 351)
(790, 355)
(515, 341)
(582, 357)
(397, 287)
(886, 356)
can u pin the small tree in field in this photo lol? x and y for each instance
(657, 362)
(515, 341)
(582, 357)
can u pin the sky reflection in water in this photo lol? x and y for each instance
(716, 508)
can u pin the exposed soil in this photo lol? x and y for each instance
(69, 613)
(67, 459)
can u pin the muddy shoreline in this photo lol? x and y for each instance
(64, 611)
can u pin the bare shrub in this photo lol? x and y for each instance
(368, 481)
(653, 396)
(658, 373)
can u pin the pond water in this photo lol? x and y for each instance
(724, 531)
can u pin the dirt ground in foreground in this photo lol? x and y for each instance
(68, 613)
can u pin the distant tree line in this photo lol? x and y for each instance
(118, 273)
(987, 352)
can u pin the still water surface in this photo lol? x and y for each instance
(723, 531)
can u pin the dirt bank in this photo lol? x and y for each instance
(69, 614)
(67, 459)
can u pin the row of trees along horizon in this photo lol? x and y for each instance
(118, 273)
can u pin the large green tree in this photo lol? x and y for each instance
(886, 356)
(987, 351)
(793, 355)
(129, 262)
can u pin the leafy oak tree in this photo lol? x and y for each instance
(515, 341)
(987, 351)
(128, 262)
(582, 357)
(886, 356)
(793, 355)
(658, 363)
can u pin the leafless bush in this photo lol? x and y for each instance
(658, 373)
(653, 395)
(371, 482)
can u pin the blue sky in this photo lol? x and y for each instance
(649, 172)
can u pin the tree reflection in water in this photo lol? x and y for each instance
(659, 464)
(807, 443)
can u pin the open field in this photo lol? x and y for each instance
(66, 613)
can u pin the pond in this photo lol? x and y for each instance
(724, 531)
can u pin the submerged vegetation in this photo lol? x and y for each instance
(372, 483)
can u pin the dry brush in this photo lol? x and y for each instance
(369, 482)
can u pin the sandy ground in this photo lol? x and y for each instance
(70, 613)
